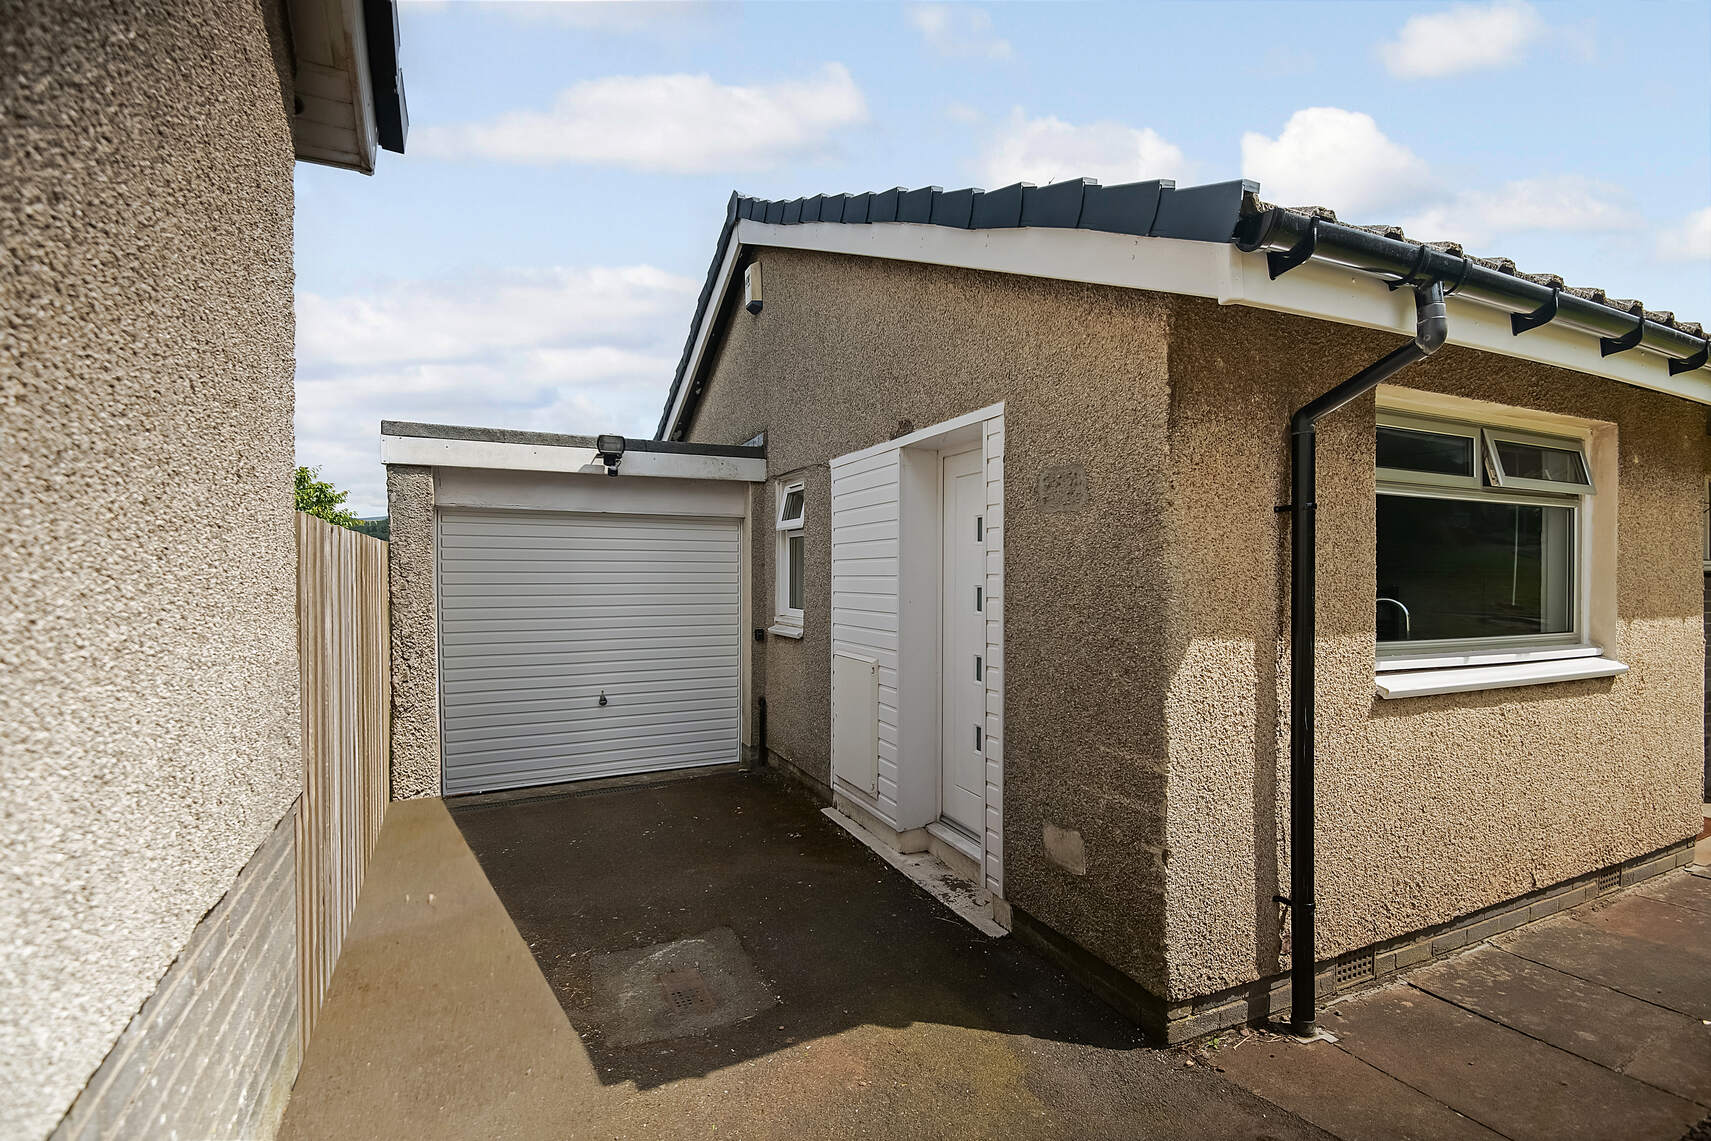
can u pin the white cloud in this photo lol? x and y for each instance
(437, 321)
(958, 30)
(1047, 149)
(1464, 37)
(1691, 241)
(1566, 203)
(565, 350)
(1327, 156)
(678, 124)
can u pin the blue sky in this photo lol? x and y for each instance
(533, 261)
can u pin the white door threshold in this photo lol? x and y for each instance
(931, 874)
(954, 838)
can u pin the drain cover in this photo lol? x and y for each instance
(686, 990)
(673, 990)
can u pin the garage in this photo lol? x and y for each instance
(581, 646)
(584, 626)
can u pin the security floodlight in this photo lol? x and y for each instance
(752, 297)
(609, 449)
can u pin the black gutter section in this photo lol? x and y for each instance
(558, 440)
(1431, 327)
(1280, 229)
(385, 78)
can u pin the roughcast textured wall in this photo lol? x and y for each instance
(148, 717)
(849, 349)
(1146, 690)
(415, 634)
(1428, 808)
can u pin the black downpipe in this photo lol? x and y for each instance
(1431, 327)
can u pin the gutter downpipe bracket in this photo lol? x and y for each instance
(1431, 329)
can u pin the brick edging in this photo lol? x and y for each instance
(1269, 997)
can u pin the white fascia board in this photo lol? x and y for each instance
(1336, 293)
(430, 451)
(330, 58)
(1167, 265)
(1213, 270)
(709, 315)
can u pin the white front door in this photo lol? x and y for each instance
(962, 794)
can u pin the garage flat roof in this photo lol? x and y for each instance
(411, 428)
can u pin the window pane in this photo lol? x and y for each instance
(792, 508)
(793, 589)
(1410, 450)
(1534, 461)
(1458, 568)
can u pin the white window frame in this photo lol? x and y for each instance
(1705, 526)
(1428, 653)
(1559, 443)
(787, 619)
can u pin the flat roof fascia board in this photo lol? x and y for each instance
(560, 440)
(430, 451)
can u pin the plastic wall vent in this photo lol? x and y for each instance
(1355, 969)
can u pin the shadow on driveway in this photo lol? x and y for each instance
(710, 957)
(835, 936)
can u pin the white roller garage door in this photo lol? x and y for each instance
(542, 613)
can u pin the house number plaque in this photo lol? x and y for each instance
(1062, 488)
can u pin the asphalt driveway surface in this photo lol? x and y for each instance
(876, 1012)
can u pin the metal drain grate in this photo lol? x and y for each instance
(685, 990)
(1354, 969)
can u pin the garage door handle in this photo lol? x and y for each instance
(602, 697)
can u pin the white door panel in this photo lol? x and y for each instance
(963, 566)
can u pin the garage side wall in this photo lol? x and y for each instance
(850, 352)
(415, 633)
(149, 710)
(1428, 808)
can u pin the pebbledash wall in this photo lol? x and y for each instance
(1146, 697)
(850, 352)
(149, 718)
(1429, 808)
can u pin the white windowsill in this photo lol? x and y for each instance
(1484, 658)
(1467, 679)
(784, 630)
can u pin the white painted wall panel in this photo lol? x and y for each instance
(864, 577)
(541, 613)
(868, 591)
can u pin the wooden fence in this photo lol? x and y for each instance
(342, 643)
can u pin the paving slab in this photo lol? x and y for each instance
(1679, 1061)
(1340, 1093)
(1656, 972)
(1656, 921)
(1622, 1033)
(1520, 1087)
(1681, 888)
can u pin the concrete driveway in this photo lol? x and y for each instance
(709, 957)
